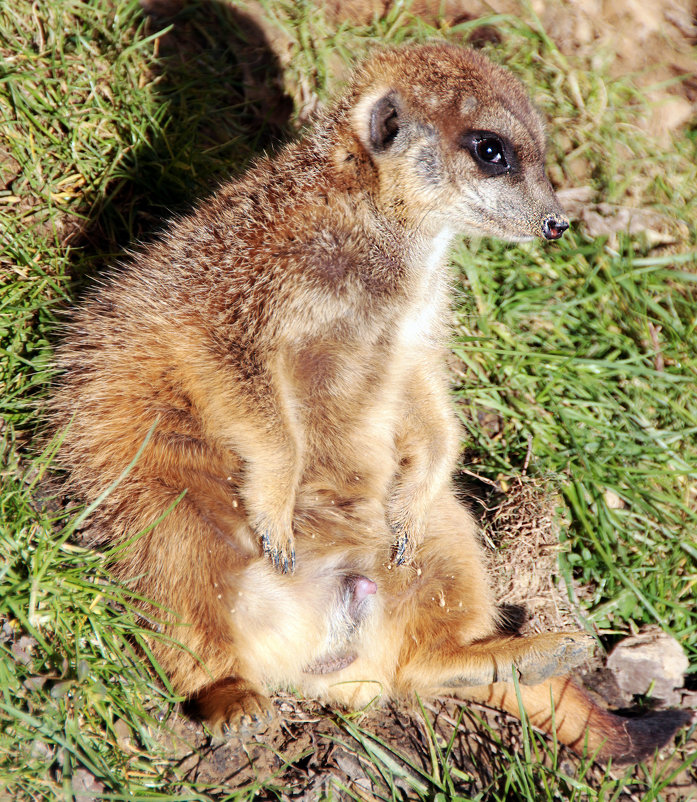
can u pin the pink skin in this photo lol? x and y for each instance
(363, 588)
(356, 590)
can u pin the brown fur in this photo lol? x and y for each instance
(286, 341)
(563, 706)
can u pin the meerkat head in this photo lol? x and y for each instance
(454, 143)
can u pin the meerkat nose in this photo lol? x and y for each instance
(553, 228)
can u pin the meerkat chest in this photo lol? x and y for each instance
(361, 361)
(421, 322)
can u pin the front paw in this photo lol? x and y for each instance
(279, 549)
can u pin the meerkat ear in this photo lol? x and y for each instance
(385, 122)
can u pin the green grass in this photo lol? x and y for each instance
(78, 686)
(532, 771)
(558, 345)
(586, 349)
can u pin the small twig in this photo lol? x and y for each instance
(654, 331)
(495, 485)
(527, 455)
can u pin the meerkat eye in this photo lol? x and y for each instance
(493, 154)
(490, 150)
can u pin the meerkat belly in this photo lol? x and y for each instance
(349, 397)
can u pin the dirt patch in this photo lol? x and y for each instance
(522, 528)
(653, 43)
(311, 751)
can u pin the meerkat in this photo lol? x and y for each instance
(276, 362)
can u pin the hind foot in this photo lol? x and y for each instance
(233, 707)
(533, 659)
(556, 655)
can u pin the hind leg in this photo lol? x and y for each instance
(531, 659)
(498, 659)
(452, 637)
(190, 567)
(450, 642)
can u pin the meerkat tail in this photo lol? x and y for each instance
(562, 705)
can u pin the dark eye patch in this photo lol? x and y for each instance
(492, 152)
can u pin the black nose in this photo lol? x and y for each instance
(553, 228)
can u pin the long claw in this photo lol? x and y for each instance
(281, 561)
(266, 544)
(289, 562)
(400, 556)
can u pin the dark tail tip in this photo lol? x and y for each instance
(639, 738)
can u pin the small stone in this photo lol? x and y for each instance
(34, 683)
(651, 662)
(689, 700)
(6, 632)
(613, 501)
(86, 786)
(42, 750)
(23, 648)
(349, 764)
(123, 734)
(670, 113)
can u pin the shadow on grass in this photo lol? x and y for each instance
(219, 103)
